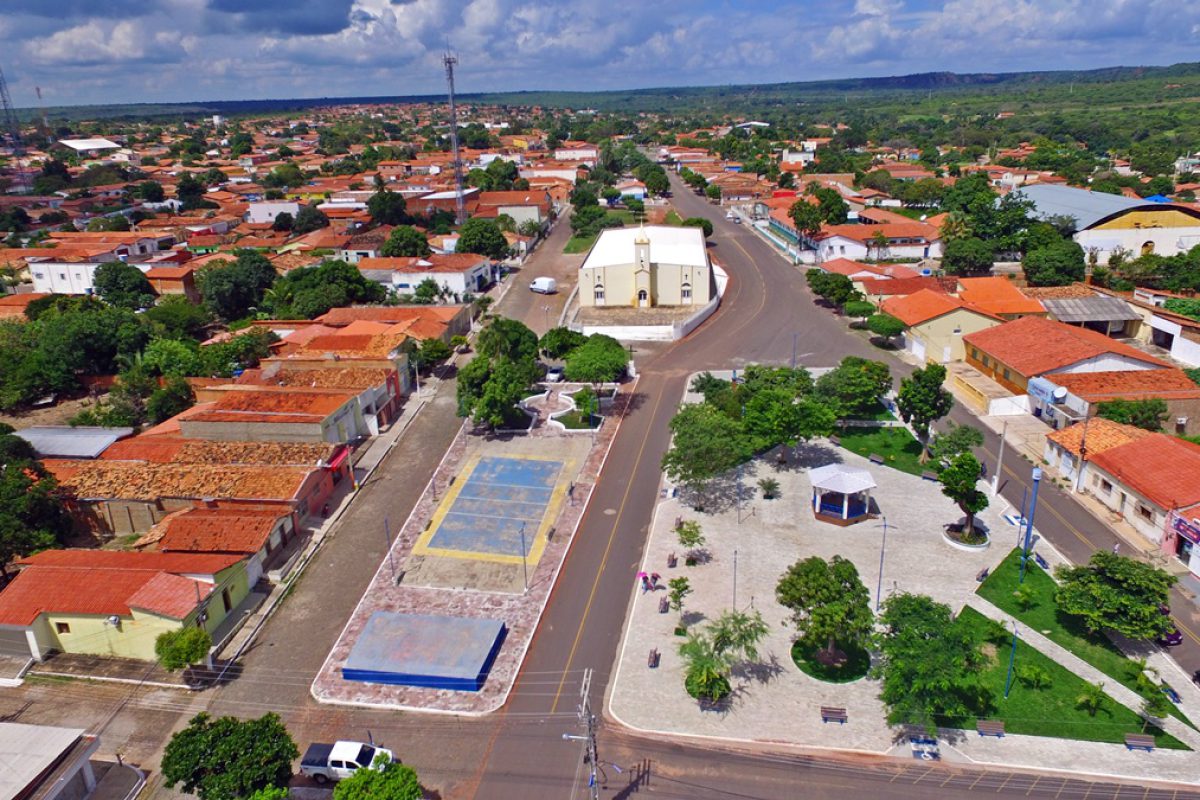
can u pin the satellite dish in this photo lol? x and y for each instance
(1059, 394)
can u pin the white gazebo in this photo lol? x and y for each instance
(841, 493)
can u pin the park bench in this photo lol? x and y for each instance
(875, 458)
(672, 560)
(929, 475)
(832, 714)
(990, 727)
(981, 576)
(664, 605)
(1171, 694)
(1139, 741)
(835, 441)
(1041, 562)
(652, 660)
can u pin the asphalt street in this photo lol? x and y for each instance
(520, 752)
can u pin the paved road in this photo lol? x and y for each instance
(519, 752)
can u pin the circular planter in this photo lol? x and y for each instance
(858, 663)
(949, 539)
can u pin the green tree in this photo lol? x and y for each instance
(922, 400)
(1149, 413)
(405, 240)
(483, 237)
(712, 191)
(227, 758)
(1058, 264)
(954, 441)
(854, 386)
(507, 339)
(1033, 676)
(181, 648)
(777, 417)
(174, 397)
(283, 222)
(230, 290)
(859, 309)
(680, 588)
(705, 443)
(706, 672)
(394, 781)
(31, 517)
(885, 326)
(506, 385)
(806, 217)
(828, 601)
(831, 286)
(123, 285)
(432, 351)
(308, 292)
(928, 661)
(388, 208)
(700, 222)
(959, 481)
(834, 210)
(309, 219)
(150, 192)
(559, 342)
(1115, 593)
(1092, 699)
(600, 359)
(967, 256)
(736, 635)
(691, 537)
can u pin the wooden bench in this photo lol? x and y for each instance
(664, 605)
(835, 441)
(1041, 562)
(832, 714)
(990, 727)
(652, 659)
(672, 560)
(981, 576)
(929, 475)
(1139, 741)
(875, 458)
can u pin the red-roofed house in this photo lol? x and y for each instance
(1015, 353)
(998, 296)
(1148, 482)
(457, 273)
(903, 240)
(936, 324)
(112, 603)
(1086, 390)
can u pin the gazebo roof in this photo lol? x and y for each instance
(841, 478)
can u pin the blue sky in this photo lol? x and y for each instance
(102, 51)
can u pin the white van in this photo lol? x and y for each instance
(543, 285)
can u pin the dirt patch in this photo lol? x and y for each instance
(58, 414)
(989, 651)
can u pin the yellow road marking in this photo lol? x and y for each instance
(612, 535)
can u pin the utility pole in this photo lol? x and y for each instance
(588, 720)
(460, 214)
(8, 117)
(1000, 461)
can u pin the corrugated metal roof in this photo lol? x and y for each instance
(1086, 206)
(1097, 308)
(63, 441)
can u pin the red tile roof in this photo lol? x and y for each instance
(1163, 469)
(1169, 384)
(888, 287)
(1102, 434)
(106, 582)
(998, 296)
(892, 230)
(1035, 345)
(219, 530)
(925, 305)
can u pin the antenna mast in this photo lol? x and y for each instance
(460, 214)
(13, 129)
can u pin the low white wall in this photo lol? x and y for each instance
(664, 333)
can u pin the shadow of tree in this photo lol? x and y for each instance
(762, 671)
(690, 618)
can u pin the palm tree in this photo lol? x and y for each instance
(707, 673)
(1092, 698)
(736, 635)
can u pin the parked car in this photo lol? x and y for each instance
(543, 285)
(334, 762)
(1170, 637)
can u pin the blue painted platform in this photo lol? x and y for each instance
(501, 497)
(426, 650)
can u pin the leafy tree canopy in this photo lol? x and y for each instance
(227, 758)
(123, 285)
(405, 240)
(922, 400)
(600, 359)
(1112, 592)
(854, 386)
(388, 208)
(394, 781)
(1149, 413)
(182, 648)
(828, 600)
(558, 342)
(705, 444)
(482, 236)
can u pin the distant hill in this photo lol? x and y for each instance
(681, 98)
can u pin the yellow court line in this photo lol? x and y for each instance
(587, 608)
(540, 536)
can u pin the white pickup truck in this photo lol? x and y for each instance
(333, 762)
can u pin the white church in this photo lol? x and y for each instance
(647, 267)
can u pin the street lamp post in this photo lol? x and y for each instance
(1033, 498)
(999, 460)
(882, 550)
(1012, 657)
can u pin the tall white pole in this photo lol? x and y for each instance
(999, 460)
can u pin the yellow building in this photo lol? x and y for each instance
(937, 323)
(111, 603)
(648, 266)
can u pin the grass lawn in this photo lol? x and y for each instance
(878, 413)
(579, 244)
(578, 420)
(1064, 630)
(673, 218)
(623, 214)
(1051, 710)
(897, 446)
(858, 661)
